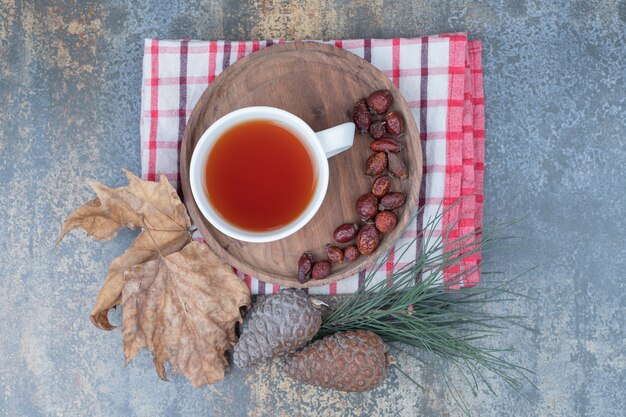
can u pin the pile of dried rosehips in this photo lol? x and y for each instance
(376, 208)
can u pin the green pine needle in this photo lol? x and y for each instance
(413, 308)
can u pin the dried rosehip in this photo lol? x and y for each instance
(376, 164)
(305, 264)
(381, 186)
(368, 239)
(351, 253)
(385, 144)
(321, 270)
(395, 123)
(367, 206)
(392, 201)
(380, 101)
(334, 253)
(386, 221)
(346, 232)
(361, 116)
(377, 129)
(396, 166)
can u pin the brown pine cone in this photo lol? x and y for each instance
(345, 361)
(279, 324)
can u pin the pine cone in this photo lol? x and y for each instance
(345, 361)
(282, 323)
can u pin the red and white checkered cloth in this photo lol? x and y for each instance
(439, 76)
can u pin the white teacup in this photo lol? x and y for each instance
(321, 146)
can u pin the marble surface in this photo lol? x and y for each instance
(555, 151)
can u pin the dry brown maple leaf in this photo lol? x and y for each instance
(153, 206)
(179, 299)
(183, 308)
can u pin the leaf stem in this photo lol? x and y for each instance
(156, 246)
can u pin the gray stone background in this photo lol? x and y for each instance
(555, 84)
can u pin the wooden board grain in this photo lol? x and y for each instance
(318, 83)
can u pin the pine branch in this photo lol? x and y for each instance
(417, 309)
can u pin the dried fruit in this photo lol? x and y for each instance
(281, 323)
(368, 239)
(376, 164)
(386, 221)
(361, 116)
(346, 232)
(380, 101)
(392, 201)
(321, 270)
(346, 361)
(367, 206)
(305, 265)
(395, 123)
(351, 253)
(377, 129)
(381, 186)
(385, 144)
(334, 253)
(396, 166)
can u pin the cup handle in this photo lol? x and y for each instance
(336, 139)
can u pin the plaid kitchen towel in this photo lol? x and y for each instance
(439, 76)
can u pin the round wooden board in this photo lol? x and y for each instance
(319, 83)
